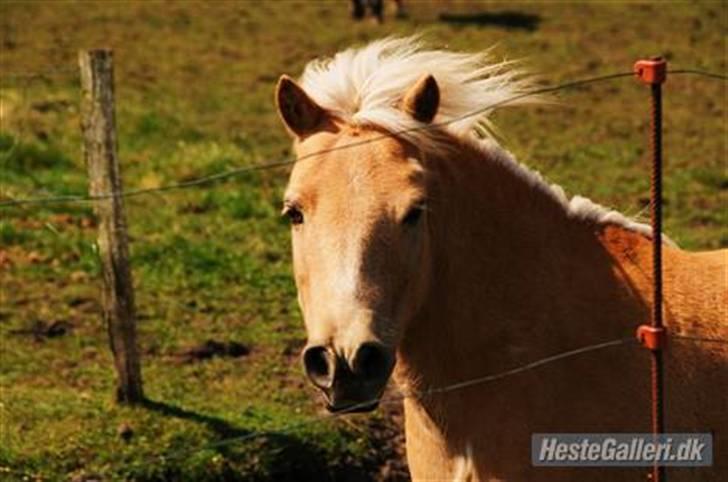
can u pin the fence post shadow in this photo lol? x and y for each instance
(296, 456)
(219, 425)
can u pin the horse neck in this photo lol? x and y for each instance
(514, 277)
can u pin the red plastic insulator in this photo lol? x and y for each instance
(653, 71)
(651, 337)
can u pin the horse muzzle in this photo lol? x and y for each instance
(350, 387)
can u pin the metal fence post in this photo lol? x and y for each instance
(653, 72)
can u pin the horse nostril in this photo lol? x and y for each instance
(318, 361)
(372, 361)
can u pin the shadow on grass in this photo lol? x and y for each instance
(220, 426)
(278, 456)
(507, 19)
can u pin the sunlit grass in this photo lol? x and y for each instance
(194, 98)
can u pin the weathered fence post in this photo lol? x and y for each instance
(100, 150)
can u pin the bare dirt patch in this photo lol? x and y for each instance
(41, 330)
(212, 348)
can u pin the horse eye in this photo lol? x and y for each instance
(413, 216)
(294, 215)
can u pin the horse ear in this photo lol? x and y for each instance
(422, 99)
(299, 112)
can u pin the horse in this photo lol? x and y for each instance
(424, 252)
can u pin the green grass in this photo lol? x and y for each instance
(194, 97)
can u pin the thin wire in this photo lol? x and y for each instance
(53, 72)
(399, 397)
(74, 198)
(697, 339)
(33, 75)
(536, 364)
(438, 390)
(416, 394)
(702, 73)
(285, 162)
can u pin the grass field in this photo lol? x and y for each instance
(194, 97)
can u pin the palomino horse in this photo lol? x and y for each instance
(418, 240)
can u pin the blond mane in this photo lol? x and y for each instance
(365, 85)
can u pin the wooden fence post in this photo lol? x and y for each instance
(100, 151)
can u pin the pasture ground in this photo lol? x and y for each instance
(194, 94)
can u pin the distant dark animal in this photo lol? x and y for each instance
(376, 7)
